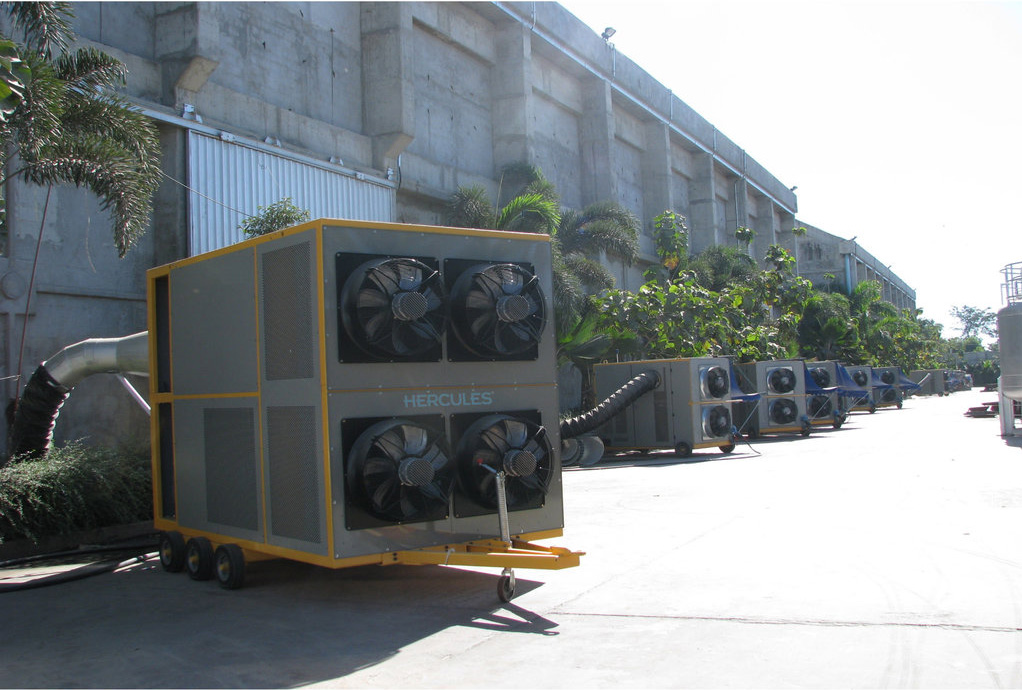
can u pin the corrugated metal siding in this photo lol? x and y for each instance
(230, 181)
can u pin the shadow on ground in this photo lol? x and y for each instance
(292, 624)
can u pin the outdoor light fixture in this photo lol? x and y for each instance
(608, 32)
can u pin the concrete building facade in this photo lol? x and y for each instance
(370, 110)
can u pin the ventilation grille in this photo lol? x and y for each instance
(287, 313)
(231, 478)
(168, 505)
(293, 473)
(660, 423)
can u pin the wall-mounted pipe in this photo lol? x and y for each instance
(46, 391)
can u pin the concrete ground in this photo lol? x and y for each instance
(884, 554)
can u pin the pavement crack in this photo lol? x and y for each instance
(800, 621)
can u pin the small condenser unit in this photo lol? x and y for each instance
(824, 404)
(862, 377)
(782, 405)
(690, 409)
(886, 390)
(344, 393)
(930, 381)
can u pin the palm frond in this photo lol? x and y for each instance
(46, 25)
(89, 68)
(592, 274)
(469, 207)
(529, 213)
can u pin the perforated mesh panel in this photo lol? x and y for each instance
(661, 425)
(287, 313)
(231, 475)
(294, 473)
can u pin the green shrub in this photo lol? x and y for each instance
(73, 488)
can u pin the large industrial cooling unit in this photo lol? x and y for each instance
(691, 408)
(861, 376)
(886, 387)
(782, 406)
(345, 393)
(824, 403)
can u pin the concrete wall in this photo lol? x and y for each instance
(441, 94)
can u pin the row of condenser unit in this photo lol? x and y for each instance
(710, 402)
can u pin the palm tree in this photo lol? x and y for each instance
(579, 237)
(70, 127)
(719, 266)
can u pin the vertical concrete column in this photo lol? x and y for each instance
(187, 48)
(764, 228)
(513, 115)
(702, 204)
(596, 131)
(388, 89)
(657, 192)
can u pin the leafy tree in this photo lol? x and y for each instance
(975, 321)
(719, 266)
(277, 216)
(68, 126)
(745, 236)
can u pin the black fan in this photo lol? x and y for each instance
(400, 471)
(860, 377)
(781, 380)
(820, 406)
(821, 376)
(887, 377)
(518, 447)
(888, 396)
(716, 382)
(716, 421)
(394, 308)
(783, 411)
(498, 310)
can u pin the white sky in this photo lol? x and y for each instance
(900, 121)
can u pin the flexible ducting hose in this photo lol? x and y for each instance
(615, 403)
(46, 391)
(36, 414)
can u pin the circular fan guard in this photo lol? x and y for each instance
(887, 377)
(781, 380)
(716, 382)
(821, 376)
(394, 308)
(783, 411)
(716, 421)
(498, 310)
(400, 471)
(820, 406)
(860, 377)
(889, 395)
(501, 442)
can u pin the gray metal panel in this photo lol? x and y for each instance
(386, 404)
(213, 331)
(441, 246)
(230, 181)
(294, 478)
(288, 320)
(209, 498)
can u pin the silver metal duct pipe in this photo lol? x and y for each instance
(127, 355)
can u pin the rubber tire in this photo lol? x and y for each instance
(806, 430)
(229, 566)
(729, 448)
(199, 558)
(683, 450)
(505, 588)
(172, 551)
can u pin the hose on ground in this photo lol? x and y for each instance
(36, 414)
(612, 405)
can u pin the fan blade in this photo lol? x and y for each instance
(435, 457)
(433, 493)
(410, 276)
(384, 494)
(385, 276)
(517, 433)
(479, 299)
(511, 281)
(376, 326)
(484, 328)
(407, 505)
(371, 298)
(416, 439)
(496, 440)
(391, 445)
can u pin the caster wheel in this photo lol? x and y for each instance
(172, 551)
(229, 566)
(683, 450)
(199, 558)
(806, 430)
(729, 448)
(506, 586)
